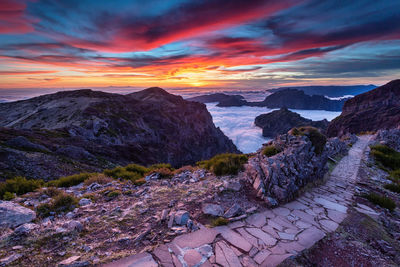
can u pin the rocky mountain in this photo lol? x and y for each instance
(371, 111)
(331, 90)
(289, 98)
(282, 120)
(223, 100)
(297, 99)
(73, 131)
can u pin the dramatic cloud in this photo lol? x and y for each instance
(208, 43)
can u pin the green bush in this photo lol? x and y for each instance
(219, 221)
(19, 185)
(270, 150)
(52, 191)
(60, 203)
(161, 166)
(316, 137)
(387, 156)
(393, 187)
(382, 201)
(224, 164)
(163, 172)
(71, 180)
(99, 178)
(8, 196)
(113, 194)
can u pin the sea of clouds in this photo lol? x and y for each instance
(238, 123)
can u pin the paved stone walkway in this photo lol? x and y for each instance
(266, 238)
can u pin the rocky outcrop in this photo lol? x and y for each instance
(390, 138)
(278, 178)
(375, 110)
(13, 215)
(296, 99)
(281, 121)
(96, 130)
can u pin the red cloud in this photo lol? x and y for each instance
(12, 17)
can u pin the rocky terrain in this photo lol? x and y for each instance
(289, 98)
(375, 110)
(288, 163)
(281, 121)
(84, 130)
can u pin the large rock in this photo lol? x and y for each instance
(375, 110)
(390, 138)
(13, 215)
(278, 178)
(281, 121)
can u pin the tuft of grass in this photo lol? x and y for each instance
(393, 187)
(224, 164)
(163, 172)
(99, 178)
(19, 185)
(386, 156)
(60, 203)
(219, 221)
(380, 200)
(71, 180)
(270, 151)
(395, 175)
(316, 137)
(52, 191)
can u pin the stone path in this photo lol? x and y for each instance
(269, 237)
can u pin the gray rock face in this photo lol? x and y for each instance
(23, 143)
(25, 228)
(74, 152)
(390, 138)
(277, 179)
(212, 209)
(13, 215)
(84, 202)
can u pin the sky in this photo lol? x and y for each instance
(227, 44)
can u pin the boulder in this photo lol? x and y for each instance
(23, 143)
(85, 201)
(181, 217)
(74, 152)
(13, 215)
(212, 209)
(26, 228)
(233, 211)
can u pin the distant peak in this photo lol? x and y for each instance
(155, 90)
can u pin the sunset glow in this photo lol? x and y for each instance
(213, 43)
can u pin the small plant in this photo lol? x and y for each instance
(382, 201)
(161, 166)
(71, 180)
(163, 172)
(224, 164)
(113, 194)
(395, 175)
(386, 156)
(270, 151)
(99, 178)
(393, 187)
(60, 203)
(219, 221)
(19, 185)
(92, 196)
(8, 196)
(52, 191)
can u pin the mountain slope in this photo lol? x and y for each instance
(146, 127)
(371, 111)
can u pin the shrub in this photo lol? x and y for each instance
(224, 164)
(387, 156)
(92, 196)
(163, 172)
(161, 166)
(219, 221)
(317, 139)
(52, 191)
(71, 180)
(60, 203)
(8, 196)
(19, 185)
(99, 178)
(382, 201)
(113, 194)
(123, 173)
(393, 187)
(270, 150)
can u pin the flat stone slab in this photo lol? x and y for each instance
(233, 238)
(257, 219)
(310, 236)
(330, 205)
(196, 239)
(260, 234)
(336, 216)
(329, 225)
(225, 256)
(139, 260)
